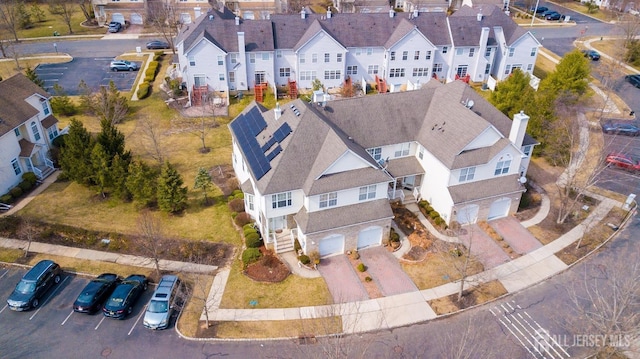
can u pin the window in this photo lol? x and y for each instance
(416, 55)
(220, 61)
(34, 129)
(405, 55)
(281, 200)
(45, 107)
(487, 69)
(332, 75)
(232, 76)
(314, 58)
(372, 69)
(472, 52)
(527, 150)
(462, 70)
(393, 56)
(488, 52)
(420, 71)
(16, 166)
(16, 131)
(437, 68)
(367, 192)
(428, 56)
(420, 152)
(396, 72)
(376, 153)
(278, 53)
(327, 57)
(192, 61)
(369, 51)
(285, 71)
(502, 167)
(352, 70)
(466, 174)
(534, 50)
(445, 49)
(507, 70)
(512, 51)
(265, 56)
(52, 132)
(529, 67)
(252, 58)
(249, 201)
(402, 150)
(199, 80)
(234, 58)
(301, 56)
(339, 57)
(459, 51)
(307, 75)
(221, 76)
(358, 51)
(328, 200)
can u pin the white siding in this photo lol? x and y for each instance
(320, 45)
(487, 138)
(414, 41)
(346, 197)
(348, 161)
(364, 59)
(434, 185)
(9, 150)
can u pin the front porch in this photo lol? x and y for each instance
(282, 239)
(34, 159)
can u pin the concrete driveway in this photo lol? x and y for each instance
(386, 272)
(518, 237)
(342, 280)
(485, 249)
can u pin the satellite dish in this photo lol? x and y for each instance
(522, 180)
(470, 104)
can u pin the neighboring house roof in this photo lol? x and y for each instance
(333, 218)
(26, 148)
(465, 25)
(490, 187)
(406, 166)
(49, 121)
(14, 110)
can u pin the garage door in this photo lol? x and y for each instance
(499, 208)
(136, 19)
(332, 245)
(370, 237)
(468, 214)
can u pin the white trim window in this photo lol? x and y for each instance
(328, 200)
(467, 174)
(459, 51)
(45, 107)
(332, 75)
(36, 132)
(437, 68)
(416, 55)
(403, 149)
(487, 53)
(232, 76)
(252, 58)
(428, 56)
(472, 51)
(16, 166)
(339, 57)
(369, 51)
(285, 71)
(281, 200)
(192, 61)
(420, 71)
(327, 57)
(534, 51)
(367, 192)
(376, 153)
(512, 51)
(234, 58)
(527, 150)
(16, 131)
(52, 132)
(420, 152)
(502, 167)
(248, 199)
(372, 70)
(314, 58)
(307, 75)
(396, 72)
(302, 59)
(220, 60)
(445, 49)
(405, 55)
(352, 70)
(266, 56)
(392, 56)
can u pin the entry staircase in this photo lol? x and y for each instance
(283, 242)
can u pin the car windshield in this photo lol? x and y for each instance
(85, 297)
(157, 306)
(26, 287)
(115, 302)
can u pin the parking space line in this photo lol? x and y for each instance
(101, 320)
(3, 308)
(137, 320)
(49, 297)
(67, 318)
(5, 273)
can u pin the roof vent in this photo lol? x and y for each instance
(479, 17)
(415, 13)
(210, 17)
(469, 104)
(237, 20)
(303, 14)
(391, 12)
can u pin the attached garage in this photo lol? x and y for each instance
(499, 208)
(468, 214)
(370, 237)
(331, 245)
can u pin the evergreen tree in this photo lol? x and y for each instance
(203, 182)
(119, 174)
(141, 183)
(172, 195)
(514, 94)
(101, 170)
(571, 75)
(75, 155)
(31, 75)
(112, 140)
(61, 103)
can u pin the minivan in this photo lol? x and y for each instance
(34, 284)
(161, 305)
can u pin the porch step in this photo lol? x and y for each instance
(284, 245)
(47, 171)
(409, 199)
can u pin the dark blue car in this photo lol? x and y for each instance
(95, 292)
(124, 297)
(620, 128)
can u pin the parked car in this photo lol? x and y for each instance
(125, 296)
(123, 65)
(620, 128)
(553, 16)
(95, 292)
(539, 10)
(591, 54)
(115, 26)
(34, 284)
(160, 307)
(157, 44)
(623, 161)
(633, 79)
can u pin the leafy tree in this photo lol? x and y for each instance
(100, 166)
(107, 104)
(203, 182)
(164, 17)
(172, 195)
(31, 75)
(65, 9)
(75, 155)
(37, 13)
(61, 103)
(141, 182)
(316, 85)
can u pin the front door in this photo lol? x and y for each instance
(278, 223)
(409, 182)
(260, 78)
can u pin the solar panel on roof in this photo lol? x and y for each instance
(268, 145)
(282, 132)
(274, 153)
(246, 127)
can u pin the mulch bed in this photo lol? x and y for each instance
(268, 269)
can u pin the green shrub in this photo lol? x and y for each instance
(250, 255)
(6, 198)
(394, 236)
(423, 203)
(304, 259)
(439, 222)
(143, 90)
(367, 279)
(248, 226)
(434, 215)
(236, 192)
(296, 245)
(361, 267)
(253, 240)
(25, 186)
(30, 177)
(148, 78)
(428, 209)
(236, 205)
(15, 192)
(242, 218)
(249, 230)
(59, 141)
(234, 215)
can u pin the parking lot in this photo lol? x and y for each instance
(616, 179)
(54, 321)
(94, 71)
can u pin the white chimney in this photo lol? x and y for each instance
(237, 20)
(479, 16)
(210, 17)
(518, 128)
(303, 14)
(328, 13)
(415, 13)
(197, 12)
(277, 111)
(391, 12)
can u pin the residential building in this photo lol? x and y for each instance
(325, 173)
(27, 128)
(398, 51)
(138, 11)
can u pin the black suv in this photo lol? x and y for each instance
(33, 286)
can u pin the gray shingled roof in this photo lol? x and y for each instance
(465, 26)
(491, 187)
(343, 216)
(405, 166)
(480, 155)
(14, 110)
(355, 178)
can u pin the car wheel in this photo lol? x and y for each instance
(129, 310)
(144, 287)
(114, 69)
(130, 68)
(35, 303)
(56, 279)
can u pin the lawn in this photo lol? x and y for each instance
(279, 328)
(8, 67)
(53, 23)
(436, 269)
(603, 15)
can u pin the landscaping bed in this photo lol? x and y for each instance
(269, 268)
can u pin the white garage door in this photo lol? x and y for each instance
(370, 237)
(468, 214)
(136, 19)
(499, 208)
(332, 245)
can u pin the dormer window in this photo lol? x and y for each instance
(329, 200)
(36, 132)
(502, 167)
(45, 107)
(467, 174)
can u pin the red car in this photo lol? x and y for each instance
(623, 161)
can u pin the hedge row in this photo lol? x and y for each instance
(149, 76)
(29, 180)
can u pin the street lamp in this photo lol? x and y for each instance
(535, 11)
(55, 46)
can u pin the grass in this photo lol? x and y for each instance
(480, 294)
(279, 328)
(581, 8)
(55, 23)
(437, 269)
(544, 65)
(8, 66)
(190, 317)
(10, 255)
(292, 292)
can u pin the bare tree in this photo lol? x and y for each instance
(107, 103)
(87, 11)
(198, 290)
(150, 236)
(467, 340)
(28, 233)
(65, 9)
(152, 138)
(165, 19)
(10, 16)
